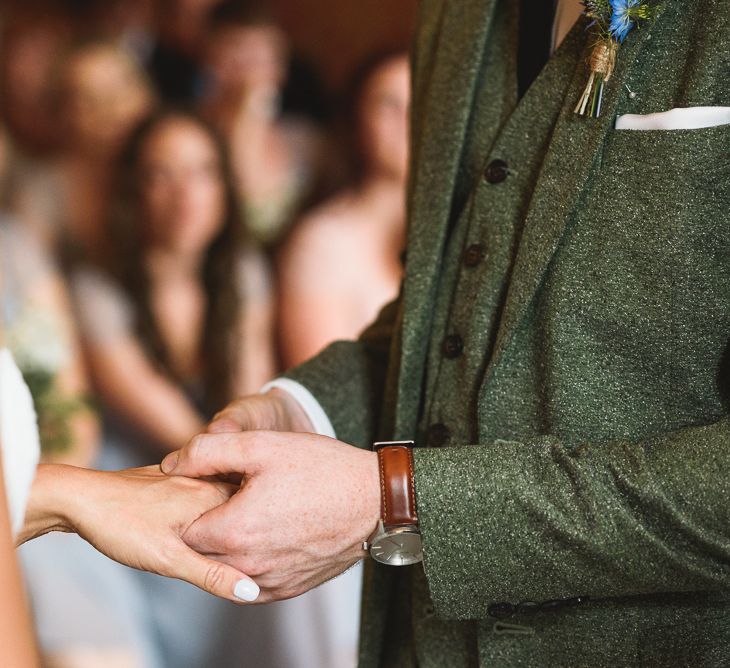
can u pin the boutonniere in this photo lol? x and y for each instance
(612, 21)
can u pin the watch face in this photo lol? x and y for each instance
(400, 547)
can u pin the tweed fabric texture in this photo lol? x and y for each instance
(589, 411)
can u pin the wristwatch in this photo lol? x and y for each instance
(397, 539)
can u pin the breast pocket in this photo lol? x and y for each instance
(666, 195)
(643, 271)
(669, 167)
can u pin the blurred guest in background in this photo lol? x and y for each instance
(37, 325)
(184, 322)
(342, 262)
(32, 38)
(101, 94)
(276, 159)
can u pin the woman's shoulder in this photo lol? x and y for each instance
(104, 309)
(253, 274)
(336, 215)
(14, 236)
(91, 280)
(26, 252)
(328, 230)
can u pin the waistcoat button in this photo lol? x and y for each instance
(452, 346)
(474, 255)
(438, 435)
(496, 171)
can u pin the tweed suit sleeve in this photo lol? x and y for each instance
(348, 379)
(509, 521)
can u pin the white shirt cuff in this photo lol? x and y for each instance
(320, 422)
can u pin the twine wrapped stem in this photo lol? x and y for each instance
(602, 63)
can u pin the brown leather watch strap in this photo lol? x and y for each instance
(398, 496)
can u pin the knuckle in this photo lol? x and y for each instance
(233, 544)
(196, 445)
(196, 449)
(257, 568)
(215, 577)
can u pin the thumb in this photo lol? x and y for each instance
(237, 416)
(209, 455)
(216, 578)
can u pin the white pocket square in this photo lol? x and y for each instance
(688, 118)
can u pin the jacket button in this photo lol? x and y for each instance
(474, 255)
(496, 171)
(501, 610)
(452, 346)
(438, 435)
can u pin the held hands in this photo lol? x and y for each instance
(305, 505)
(136, 517)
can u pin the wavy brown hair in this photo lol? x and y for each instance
(219, 274)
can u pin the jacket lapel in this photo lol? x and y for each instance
(574, 151)
(453, 35)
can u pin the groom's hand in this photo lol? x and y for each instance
(305, 506)
(276, 410)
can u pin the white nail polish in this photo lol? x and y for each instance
(246, 590)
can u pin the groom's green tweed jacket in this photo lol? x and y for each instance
(567, 330)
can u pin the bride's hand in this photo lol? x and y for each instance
(136, 517)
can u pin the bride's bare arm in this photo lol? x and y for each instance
(16, 636)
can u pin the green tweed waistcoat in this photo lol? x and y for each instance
(560, 354)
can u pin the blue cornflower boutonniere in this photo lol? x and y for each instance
(613, 20)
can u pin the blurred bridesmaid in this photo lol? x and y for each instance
(338, 268)
(276, 158)
(101, 94)
(37, 325)
(342, 262)
(183, 322)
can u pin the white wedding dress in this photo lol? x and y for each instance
(18, 438)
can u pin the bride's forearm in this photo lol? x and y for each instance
(16, 636)
(51, 501)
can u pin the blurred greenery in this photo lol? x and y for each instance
(54, 411)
